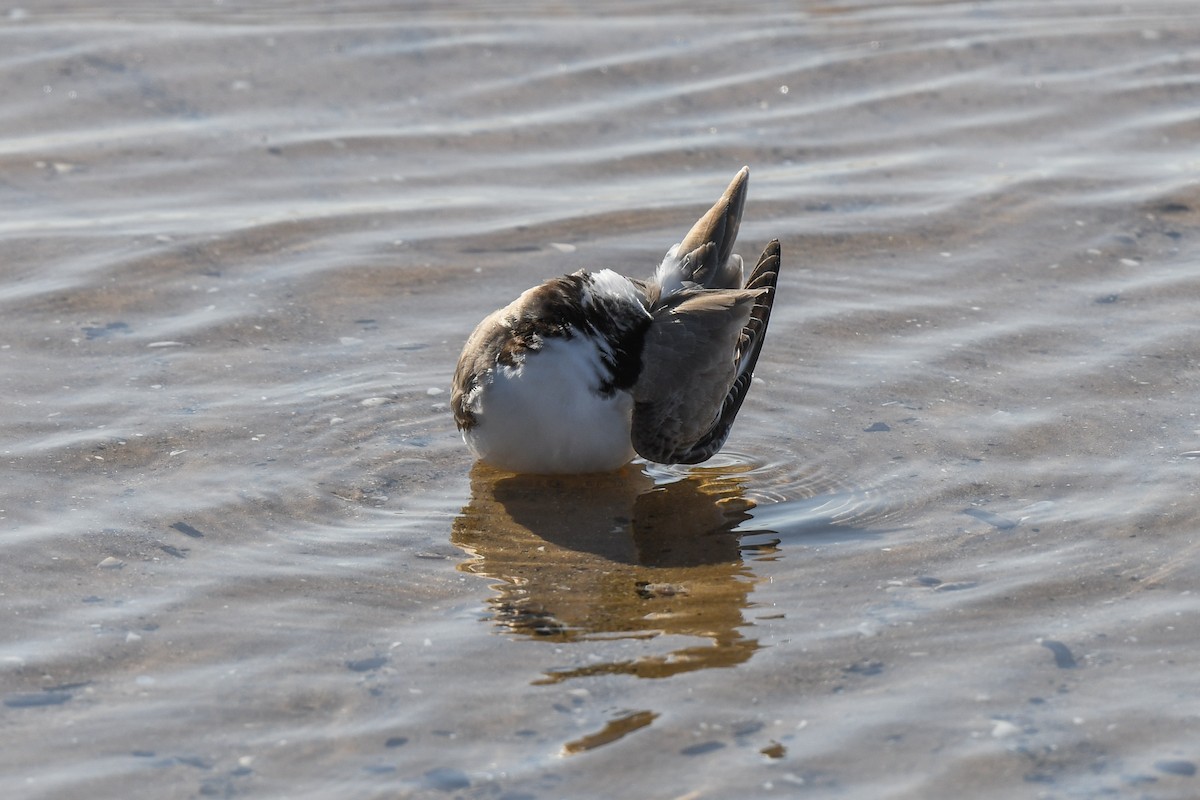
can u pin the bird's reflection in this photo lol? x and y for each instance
(614, 556)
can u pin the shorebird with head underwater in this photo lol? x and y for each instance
(585, 371)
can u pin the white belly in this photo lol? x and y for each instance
(545, 416)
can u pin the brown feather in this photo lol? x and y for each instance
(691, 388)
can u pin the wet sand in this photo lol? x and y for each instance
(949, 551)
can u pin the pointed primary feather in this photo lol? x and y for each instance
(710, 241)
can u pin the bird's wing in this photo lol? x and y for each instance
(697, 364)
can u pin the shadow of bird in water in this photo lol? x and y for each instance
(622, 556)
(614, 556)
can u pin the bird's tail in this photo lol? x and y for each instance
(705, 259)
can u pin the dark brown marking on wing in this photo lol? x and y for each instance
(554, 309)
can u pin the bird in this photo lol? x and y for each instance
(587, 371)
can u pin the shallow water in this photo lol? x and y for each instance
(949, 551)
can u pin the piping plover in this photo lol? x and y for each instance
(585, 371)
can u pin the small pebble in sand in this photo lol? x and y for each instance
(366, 664)
(376, 401)
(1002, 728)
(1176, 767)
(111, 563)
(774, 750)
(1063, 657)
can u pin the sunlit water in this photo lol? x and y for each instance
(951, 548)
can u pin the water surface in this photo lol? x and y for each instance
(950, 549)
